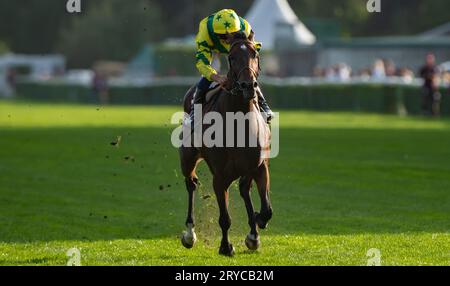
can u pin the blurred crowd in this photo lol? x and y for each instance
(432, 75)
(381, 70)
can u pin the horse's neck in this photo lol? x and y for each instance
(257, 131)
(235, 104)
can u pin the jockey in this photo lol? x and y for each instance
(212, 37)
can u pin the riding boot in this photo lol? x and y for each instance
(199, 98)
(264, 106)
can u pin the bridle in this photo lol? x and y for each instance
(238, 86)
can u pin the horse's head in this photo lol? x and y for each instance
(244, 66)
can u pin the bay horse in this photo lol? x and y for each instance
(228, 164)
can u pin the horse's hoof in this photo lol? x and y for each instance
(259, 221)
(227, 250)
(188, 240)
(251, 242)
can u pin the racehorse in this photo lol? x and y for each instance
(228, 164)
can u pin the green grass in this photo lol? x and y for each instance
(342, 184)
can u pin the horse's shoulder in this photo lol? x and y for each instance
(213, 99)
(212, 93)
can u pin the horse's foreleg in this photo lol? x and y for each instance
(191, 186)
(189, 159)
(189, 237)
(252, 239)
(263, 182)
(221, 191)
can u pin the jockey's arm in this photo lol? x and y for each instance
(204, 53)
(204, 59)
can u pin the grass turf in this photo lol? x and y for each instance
(342, 184)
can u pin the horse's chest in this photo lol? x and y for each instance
(245, 161)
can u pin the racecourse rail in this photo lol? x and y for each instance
(393, 95)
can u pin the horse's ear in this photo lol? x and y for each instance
(251, 37)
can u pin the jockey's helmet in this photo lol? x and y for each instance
(226, 21)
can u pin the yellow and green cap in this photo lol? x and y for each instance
(226, 21)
